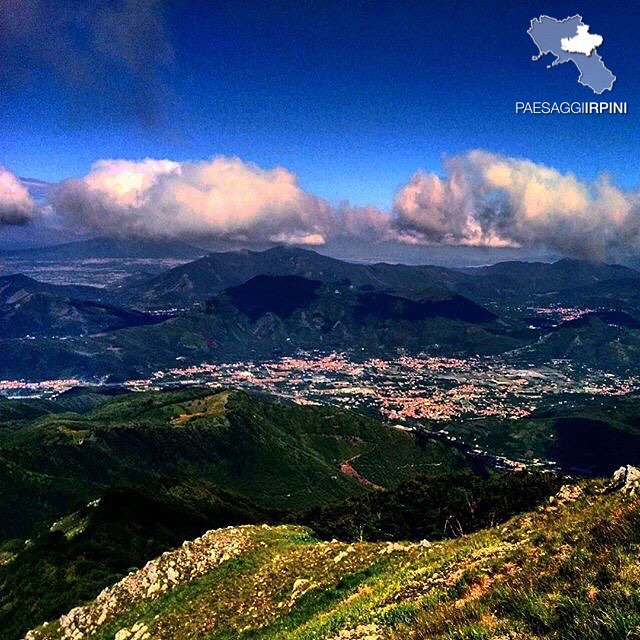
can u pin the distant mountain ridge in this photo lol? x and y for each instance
(266, 317)
(250, 304)
(32, 308)
(207, 274)
(556, 273)
(14, 287)
(283, 313)
(519, 280)
(47, 315)
(216, 272)
(190, 283)
(108, 248)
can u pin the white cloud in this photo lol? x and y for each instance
(16, 205)
(486, 199)
(482, 199)
(221, 198)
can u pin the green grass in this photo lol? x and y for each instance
(280, 455)
(568, 571)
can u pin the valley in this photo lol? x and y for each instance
(422, 347)
(381, 421)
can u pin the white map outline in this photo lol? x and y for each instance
(583, 42)
(557, 61)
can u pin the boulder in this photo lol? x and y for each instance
(567, 493)
(626, 479)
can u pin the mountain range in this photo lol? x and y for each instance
(101, 248)
(249, 304)
(267, 317)
(513, 281)
(207, 274)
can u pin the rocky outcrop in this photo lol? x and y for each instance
(139, 631)
(566, 493)
(387, 589)
(626, 479)
(192, 560)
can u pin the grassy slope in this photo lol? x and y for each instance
(279, 455)
(565, 571)
(97, 545)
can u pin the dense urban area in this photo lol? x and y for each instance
(403, 389)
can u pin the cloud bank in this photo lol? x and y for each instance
(224, 198)
(481, 199)
(490, 200)
(17, 207)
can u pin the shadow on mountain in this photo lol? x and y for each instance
(388, 307)
(282, 296)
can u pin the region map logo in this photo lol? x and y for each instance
(569, 40)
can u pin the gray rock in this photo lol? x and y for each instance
(626, 479)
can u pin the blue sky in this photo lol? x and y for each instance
(353, 97)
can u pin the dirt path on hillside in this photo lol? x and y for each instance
(347, 468)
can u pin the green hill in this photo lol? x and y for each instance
(609, 341)
(96, 546)
(583, 435)
(566, 570)
(280, 455)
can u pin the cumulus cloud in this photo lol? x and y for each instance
(223, 198)
(486, 199)
(481, 199)
(363, 223)
(17, 207)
